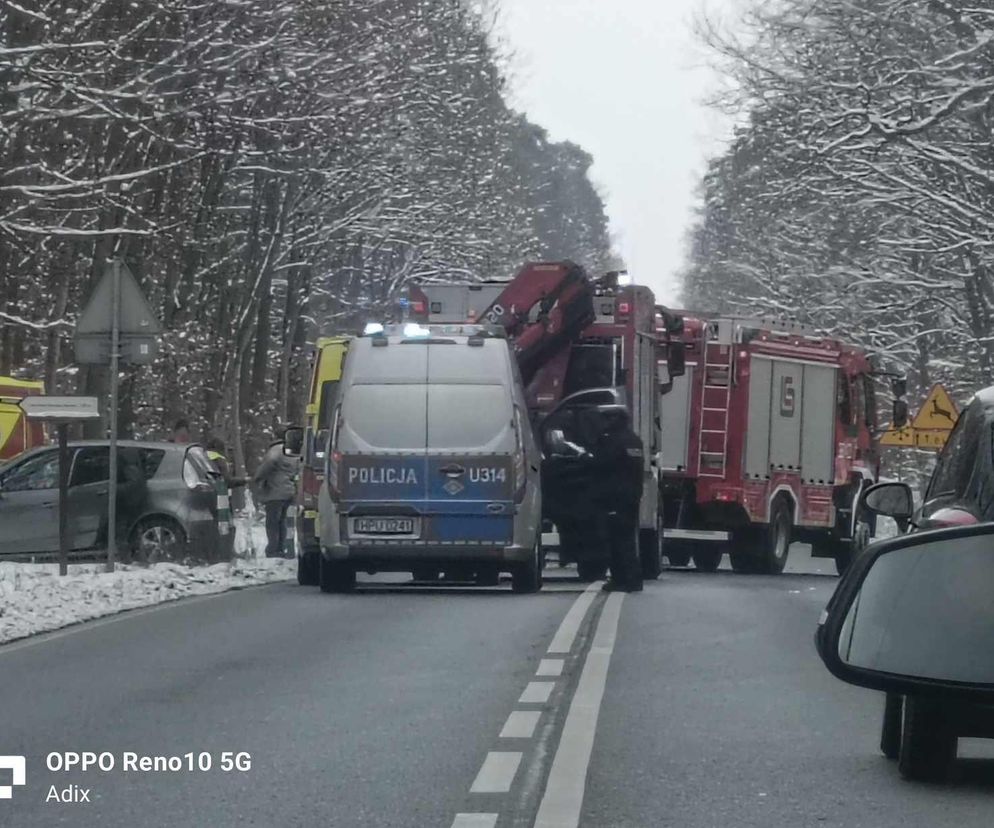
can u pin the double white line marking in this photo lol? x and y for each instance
(563, 799)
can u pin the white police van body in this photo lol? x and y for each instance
(432, 465)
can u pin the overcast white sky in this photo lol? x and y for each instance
(625, 79)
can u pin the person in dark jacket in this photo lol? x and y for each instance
(618, 479)
(276, 487)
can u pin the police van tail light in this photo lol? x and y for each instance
(334, 458)
(334, 464)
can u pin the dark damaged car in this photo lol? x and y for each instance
(432, 467)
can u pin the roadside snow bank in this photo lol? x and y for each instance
(34, 599)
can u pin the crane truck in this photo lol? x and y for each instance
(578, 342)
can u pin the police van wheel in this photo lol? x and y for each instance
(526, 578)
(308, 568)
(335, 576)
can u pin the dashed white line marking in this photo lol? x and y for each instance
(537, 692)
(497, 772)
(566, 634)
(563, 799)
(475, 821)
(521, 724)
(550, 667)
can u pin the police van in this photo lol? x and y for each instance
(431, 465)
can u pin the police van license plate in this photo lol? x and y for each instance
(383, 526)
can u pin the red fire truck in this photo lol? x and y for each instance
(769, 437)
(575, 337)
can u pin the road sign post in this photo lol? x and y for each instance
(116, 324)
(115, 356)
(62, 411)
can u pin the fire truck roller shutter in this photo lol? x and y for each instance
(757, 457)
(675, 419)
(818, 425)
(786, 413)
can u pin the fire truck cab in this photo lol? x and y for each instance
(767, 438)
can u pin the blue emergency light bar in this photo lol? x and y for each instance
(416, 331)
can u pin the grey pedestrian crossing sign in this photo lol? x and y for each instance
(138, 328)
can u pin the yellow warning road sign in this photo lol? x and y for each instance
(898, 437)
(931, 439)
(938, 412)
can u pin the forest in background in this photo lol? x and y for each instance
(857, 194)
(271, 171)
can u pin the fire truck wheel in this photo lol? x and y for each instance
(707, 556)
(650, 554)
(847, 552)
(776, 543)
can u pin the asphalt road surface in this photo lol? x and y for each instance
(699, 702)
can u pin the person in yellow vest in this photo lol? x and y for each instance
(215, 451)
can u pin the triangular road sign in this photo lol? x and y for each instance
(898, 437)
(137, 316)
(938, 412)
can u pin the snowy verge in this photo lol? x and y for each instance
(35, 599)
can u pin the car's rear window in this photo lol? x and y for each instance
(390, 417)
(467, 417)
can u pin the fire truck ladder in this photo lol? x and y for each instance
(715, 402)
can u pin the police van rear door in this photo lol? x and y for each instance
(470, 444)
(380, 442)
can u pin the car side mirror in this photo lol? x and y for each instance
(554, 442)
(912, 615)
(293, 441)
(893, 500)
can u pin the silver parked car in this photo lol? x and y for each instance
(432, 466)
(167, 502)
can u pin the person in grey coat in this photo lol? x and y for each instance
(276, 488)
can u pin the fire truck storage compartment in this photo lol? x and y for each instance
(791, 425)
(459, 303)
(675, 416)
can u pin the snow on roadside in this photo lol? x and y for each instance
(35, 599)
